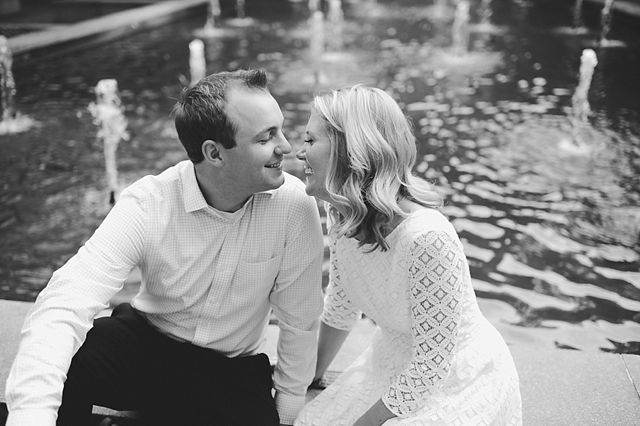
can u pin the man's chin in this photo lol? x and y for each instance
(275, 183)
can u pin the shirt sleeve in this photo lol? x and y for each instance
(63, 313)
(339, 312)
(297, 304)
(436, 267)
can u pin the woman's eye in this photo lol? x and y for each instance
(309, 141)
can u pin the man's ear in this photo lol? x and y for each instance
(211, 152)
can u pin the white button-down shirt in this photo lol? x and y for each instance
(208, 278)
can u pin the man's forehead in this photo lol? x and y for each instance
(253, 111)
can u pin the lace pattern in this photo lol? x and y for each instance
(434, 359)
(435, 271)
(339, 311)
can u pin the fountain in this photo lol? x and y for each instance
(605, 20)
(197, 61)
(240, 9)
(580, 100)
(316, 43)
(210, 28)
(460, 28)
(107, 114)
(485, 13)
(7, 84)
(577, 27)
(577, 15)
(440, 11)
(605, 24)
(10, 120)
(484, 26)
(241, 19)
(335, 17)
(550, 225)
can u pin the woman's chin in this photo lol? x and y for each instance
(313, 191)
(310, 190)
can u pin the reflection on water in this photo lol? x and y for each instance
(548, 212)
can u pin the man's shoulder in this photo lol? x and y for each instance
(290, 196)
(294, 184)
(158, 184)
(292, 190)
(151, 183)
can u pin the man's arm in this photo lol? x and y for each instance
(297, 304)
(64, 311)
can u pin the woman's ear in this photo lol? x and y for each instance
(211, 152)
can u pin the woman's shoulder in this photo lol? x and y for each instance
(425, 221)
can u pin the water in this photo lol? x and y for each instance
(7, 83)
(577, 14)
(548, 212)
(197, 61)
(605, 21)
(580, 100)
(112, 129)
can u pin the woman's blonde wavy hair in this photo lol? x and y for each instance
(373, 151)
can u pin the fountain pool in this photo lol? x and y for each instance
(547, 206)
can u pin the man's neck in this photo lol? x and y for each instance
(219, 196)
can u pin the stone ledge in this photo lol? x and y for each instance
(104, 28)
(558, 386)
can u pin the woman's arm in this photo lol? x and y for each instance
(330, 341)
(375, 416)
(337, 320)
(436, 266)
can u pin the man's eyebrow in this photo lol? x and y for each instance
(265, 130)
(269, 129)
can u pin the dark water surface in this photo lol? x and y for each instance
(547, 210)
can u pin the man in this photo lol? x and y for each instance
(220, 241)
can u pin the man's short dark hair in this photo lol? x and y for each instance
(200, 114)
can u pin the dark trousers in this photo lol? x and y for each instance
(125, 364)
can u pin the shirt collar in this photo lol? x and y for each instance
(193, 198)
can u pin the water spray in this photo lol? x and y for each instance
(580, 100)
(7, 84)
(240, 9)
(335, 17)
(197, 61)
(108, 114)
(316, 43)
(460, 28)
(213, 16)
(577, 14)
(605, 20)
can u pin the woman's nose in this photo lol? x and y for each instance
(301, 154)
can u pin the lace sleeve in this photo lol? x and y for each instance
(435, 267)
(339, 312)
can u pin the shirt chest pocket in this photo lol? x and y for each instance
(255, 279)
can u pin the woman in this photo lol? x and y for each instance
(434, 360)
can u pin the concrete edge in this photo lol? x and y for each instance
(105, 27)
(622, 6)
(572, 387)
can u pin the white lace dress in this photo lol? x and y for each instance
(434, 359)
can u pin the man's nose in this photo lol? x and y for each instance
(283, 147)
